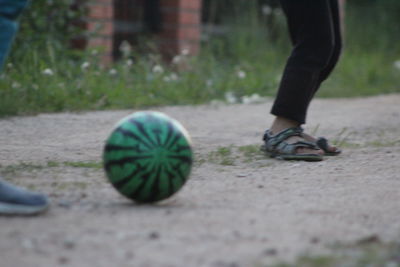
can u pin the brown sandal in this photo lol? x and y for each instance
(277, 147)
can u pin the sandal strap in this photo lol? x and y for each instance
(274, 140)
(289, 149)
(277, 143)
(323, 144)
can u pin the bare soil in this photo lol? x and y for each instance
(237, 209)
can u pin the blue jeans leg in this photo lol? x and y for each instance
(9, 13)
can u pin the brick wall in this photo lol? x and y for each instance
(128, 23)
(99, 23)
(111, 22)
(181, 26)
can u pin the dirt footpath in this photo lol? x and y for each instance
(238, 209)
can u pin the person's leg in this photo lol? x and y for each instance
(14, 200)
(311, 29)
(337, 47)
(9, 13)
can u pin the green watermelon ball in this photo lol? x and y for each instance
(148, 156)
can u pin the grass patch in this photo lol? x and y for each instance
(250, 152)
(223, 156)
(343, 139)
(383, 143)
(78, 164)
(53, 164)
(23, 166)
(235, 155)
(70, 186)
(29, 167)
(232, 155)
(376, 143)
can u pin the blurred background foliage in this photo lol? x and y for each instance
(371, 25)
(244, 48)
(48, 23)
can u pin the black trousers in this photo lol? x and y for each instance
(315, 31)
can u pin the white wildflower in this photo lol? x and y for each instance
(177, 59)
(216, 103)
(15, 85)
(125, 48)
(94, 52)
(209, 83)
(185, 51)
(9, 65)
(172, 77)
(112, 72)
(396, 64)
(266, 10)
(85, 65)
(129, 62)
(241, 74)
(48, 72)
(158, 69)
(230, 98)
(246, 99)
(253, 99)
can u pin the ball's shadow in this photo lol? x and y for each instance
(127, 205)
